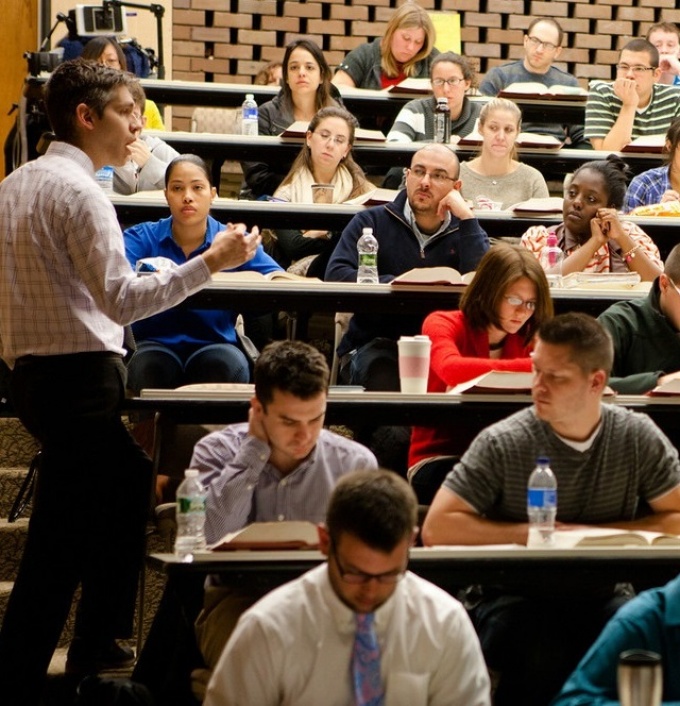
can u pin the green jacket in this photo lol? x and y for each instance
(646, 346)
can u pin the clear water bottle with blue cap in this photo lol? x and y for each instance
(542, 504)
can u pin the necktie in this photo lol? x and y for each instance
(368, 689)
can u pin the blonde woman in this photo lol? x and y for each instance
(496, 175)
(404, 51)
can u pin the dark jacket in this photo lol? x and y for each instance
(646, 346)
(460, 246)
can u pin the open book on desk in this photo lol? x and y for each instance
(534, 89)
(376, 197)
(524, 139)
(612, 537)
(298, 130)
(535, 208)
(252, 276)
(668, 389)
(412, 86)
(441, 275)
(605, 280)
(496, 382)
(289, 534)
(647, 143)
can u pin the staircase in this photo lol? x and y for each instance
(17, 449)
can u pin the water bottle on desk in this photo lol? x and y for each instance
(104, 177)
(367, 248)
(249, 116)
(542, 504)
(190, 515)
(551, 261)
(442, 121)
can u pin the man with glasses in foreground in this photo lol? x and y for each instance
(542, 46)
(645, 334)
(614, 468)
(634, 104)
(360, 628)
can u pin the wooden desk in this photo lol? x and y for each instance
(151, 206)
(512, 567)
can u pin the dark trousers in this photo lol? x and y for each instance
(88, 519)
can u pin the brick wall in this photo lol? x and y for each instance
(229, 40)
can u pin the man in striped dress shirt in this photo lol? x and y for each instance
(614, 468)
(634, 105)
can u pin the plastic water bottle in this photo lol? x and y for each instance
(104, 178)
(442, 121)
(249, 116)
(190, 515)
(367, 247)
(551, 259)
(541, 504)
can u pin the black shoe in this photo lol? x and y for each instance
(83, 658)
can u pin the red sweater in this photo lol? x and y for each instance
(460, 353)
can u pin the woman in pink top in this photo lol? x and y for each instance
(500, 310)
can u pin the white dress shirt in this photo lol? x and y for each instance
(293, 648)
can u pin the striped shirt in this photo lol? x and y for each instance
(605, 259)
(603, 108)
(415, 122)
(65, 284)
(647, 188)
(243, 487)
(629, 461)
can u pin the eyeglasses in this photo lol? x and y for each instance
(339, 140)
(624, 69)
(536, 43)
(356, 578)
(516, 301)
(439, 82)
(437, 178)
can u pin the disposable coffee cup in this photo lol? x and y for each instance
(414, 363)
(640, 681)
(322, 193)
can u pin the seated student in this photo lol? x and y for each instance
(107, 51)
(185, 345)
(660, 184)
(269, 75)
(614, 468)
(452, 76)
(360, 628)
(542, 46)
(305, 89)
(645, 334)
(665, 36)
(634, 105)
(592, 236)
(651, 621)
(493, 329)
(148, 158)
(496, 175)
(404, 51)
(326, 158)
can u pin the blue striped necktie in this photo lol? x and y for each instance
(368, 689)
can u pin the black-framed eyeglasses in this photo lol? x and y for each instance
(536, 43)
(356, 577)
(439, 82)
(625, 68)
(438, 178)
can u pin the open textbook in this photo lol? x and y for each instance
(412, 86)
(299, 128)
(668, 389)
(375, 198)
(612, 537)
(646, 143)
(537, 207)
(496, 382)
(433, 275)
(534, 89)
(524, 139)
(252, 276)
(289, 534)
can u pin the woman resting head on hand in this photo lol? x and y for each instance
(592, 236)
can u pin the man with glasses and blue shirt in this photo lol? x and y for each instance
(542, 46)
(359, 629)
(428, 224)
(634, 104)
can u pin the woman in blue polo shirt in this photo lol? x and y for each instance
(185, 345)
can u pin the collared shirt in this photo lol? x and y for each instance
(66, 286)
(647, 188)
(424, 238)
(293, 648)
(651, 621)
(243, 487)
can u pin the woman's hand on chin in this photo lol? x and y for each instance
(610, 225)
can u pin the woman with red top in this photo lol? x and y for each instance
(500, 310)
